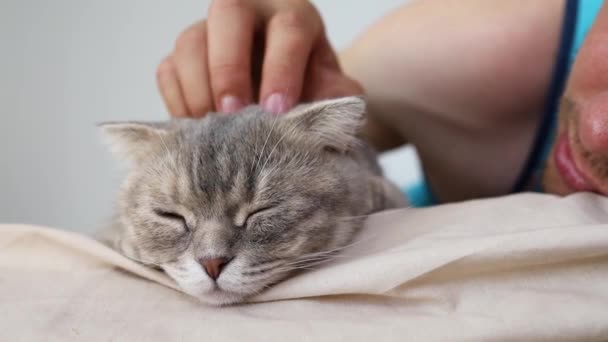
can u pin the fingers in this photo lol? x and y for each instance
(324, 77)
(211, 66)
(190, 59)
(289, 41)
(231, 31)
(324, 83)
(170, 89)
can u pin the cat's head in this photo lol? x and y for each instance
(230, 204)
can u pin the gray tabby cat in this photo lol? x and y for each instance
(231, 204)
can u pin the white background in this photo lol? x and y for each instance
(68, 64)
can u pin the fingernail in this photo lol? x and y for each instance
(230, 104)
(276, 103)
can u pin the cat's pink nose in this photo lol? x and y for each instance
(213, 266)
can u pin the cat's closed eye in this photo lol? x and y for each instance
(252, 214)
(168, 215)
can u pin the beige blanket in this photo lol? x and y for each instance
(521, 268)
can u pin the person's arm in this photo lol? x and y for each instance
(465, 81)
(468, 62)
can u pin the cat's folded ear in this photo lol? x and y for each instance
(132, 141)
(331, 123)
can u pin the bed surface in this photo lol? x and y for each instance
(522, 267)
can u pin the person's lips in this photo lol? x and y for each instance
(567, 168)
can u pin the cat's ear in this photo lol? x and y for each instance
(333, 123)
(134, 140)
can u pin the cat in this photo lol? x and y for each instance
(231, 204)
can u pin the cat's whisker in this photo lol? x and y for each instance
(310, 267)
(267, 174)
(264, 267)
(310, 262)
(329, 254)
(267, 280)
(308, 258)
(162, 165)
(265, 142)
(333, 250)
(165, 161)
(267, 262)
(320, 254)
(306, 262)
(255, 153)
(282, 136)
(160, 136)
(273, 149)
(278, 142)
(315, 260)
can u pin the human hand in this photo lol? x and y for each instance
(274, 52)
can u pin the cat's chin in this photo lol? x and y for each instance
(219, 297)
